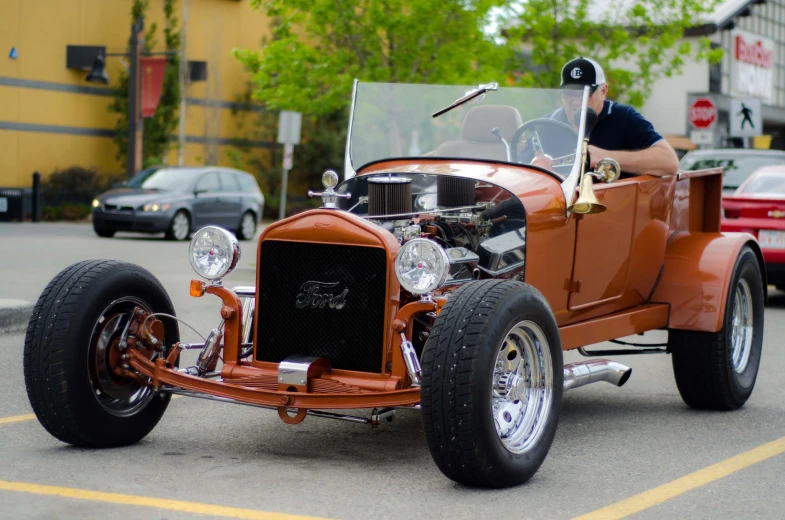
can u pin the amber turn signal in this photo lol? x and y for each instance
(197, 288)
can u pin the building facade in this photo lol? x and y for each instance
(51, 118)
(752, 35)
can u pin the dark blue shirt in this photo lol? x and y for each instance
(620, 127)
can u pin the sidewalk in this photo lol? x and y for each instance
(14, 315)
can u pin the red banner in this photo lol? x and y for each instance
(153, 68)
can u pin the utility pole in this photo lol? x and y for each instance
(183, 79)
(135, 125)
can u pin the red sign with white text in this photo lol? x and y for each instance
(153, 69)
(703, 113)
(753, 52)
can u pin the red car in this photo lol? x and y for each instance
(758, 207)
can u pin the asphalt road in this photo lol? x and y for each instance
(612, 444)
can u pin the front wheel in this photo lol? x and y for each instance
(72, 347)
(179, 227)
(247, 228)
(492, 384)
(717, 370)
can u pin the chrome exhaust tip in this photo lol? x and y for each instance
(582, 374)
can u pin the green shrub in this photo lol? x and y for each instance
(65, 212)
(76, 186)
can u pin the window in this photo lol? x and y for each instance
(248, 183)
(229, 182)
(209, 182)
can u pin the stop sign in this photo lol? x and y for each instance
(703, 113)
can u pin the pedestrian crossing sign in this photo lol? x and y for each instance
(745, 117)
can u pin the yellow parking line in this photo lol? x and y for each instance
(31, 416)
(157, 503)
(686, 483)
(17, 418)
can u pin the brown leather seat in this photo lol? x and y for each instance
(476, 140)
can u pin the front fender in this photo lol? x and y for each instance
(696, 276)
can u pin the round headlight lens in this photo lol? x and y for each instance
(421, 266)
(214, 252)
(329, 179)
(96, 203)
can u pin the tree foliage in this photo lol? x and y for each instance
(636, 41)
(159, 128)
(320, 46)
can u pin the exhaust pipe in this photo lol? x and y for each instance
(581, 374)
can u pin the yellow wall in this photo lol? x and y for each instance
(40, 30)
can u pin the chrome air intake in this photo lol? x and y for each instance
(389, 195)
(454, 191)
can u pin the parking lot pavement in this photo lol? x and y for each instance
(613, 444)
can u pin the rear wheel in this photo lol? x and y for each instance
(72, 346)
(717, 370)
(492, 384)
(179, 227)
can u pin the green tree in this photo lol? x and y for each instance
(637, 42)
(320, 46)
(159, 128)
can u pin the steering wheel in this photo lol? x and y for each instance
(567, 135)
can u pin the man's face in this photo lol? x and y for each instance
(572, 102)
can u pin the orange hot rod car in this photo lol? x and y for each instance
(464, 251)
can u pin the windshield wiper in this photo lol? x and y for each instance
(481, 89)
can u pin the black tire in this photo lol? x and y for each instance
(458, 377)
(246, 234)
(703, 361)
(173, 232)
(104, 233)
(63, 333)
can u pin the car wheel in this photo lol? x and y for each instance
(104, 233)
(492, 382)
(717, 370)
(72, 343)
(247, 228)
(179, 227)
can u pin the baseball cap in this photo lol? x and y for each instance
(580, 72)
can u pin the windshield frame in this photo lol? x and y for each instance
(568, 183)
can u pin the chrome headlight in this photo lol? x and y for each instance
(421, 266)
(213, 252)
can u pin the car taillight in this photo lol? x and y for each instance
(731, 212)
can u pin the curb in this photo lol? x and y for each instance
(14, 315)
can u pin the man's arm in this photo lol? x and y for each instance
(659, 159)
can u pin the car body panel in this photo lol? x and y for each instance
(696, 276)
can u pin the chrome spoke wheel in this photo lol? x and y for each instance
(741, 326)
(248, 226)
(522, 387)
(119, 396)
(180, 226)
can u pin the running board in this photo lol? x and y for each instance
(638, 319)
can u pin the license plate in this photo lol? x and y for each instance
(771, 239)
(3, 204)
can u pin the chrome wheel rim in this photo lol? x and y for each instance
(248, 226)
(180, 226)
(741, 326)
(118, 396)
(522, 387)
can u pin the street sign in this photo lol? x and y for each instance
(745, 117)
(702, 136)
(289, 124)
(703, 113)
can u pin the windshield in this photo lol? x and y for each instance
(169, 180)
(394, 120)
(766, 183)
(137, 180)
(737, 166)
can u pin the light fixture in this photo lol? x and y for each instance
(98, 72)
